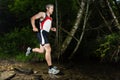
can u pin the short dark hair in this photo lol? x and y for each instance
(48, 5)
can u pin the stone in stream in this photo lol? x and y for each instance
(7, 75)
(24, 71)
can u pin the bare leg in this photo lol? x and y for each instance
(47, 48)
(48, 54)
(38, 50)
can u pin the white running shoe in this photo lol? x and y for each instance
(28, 51)
(55, 67)
(53, 71)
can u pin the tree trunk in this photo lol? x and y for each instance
(74, 28)
(83, 30)
(113, 15)
(68, 33)
(118, 8)
(57, 41)
(107, 24)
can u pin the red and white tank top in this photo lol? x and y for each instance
(46, 23)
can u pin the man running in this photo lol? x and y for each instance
(42, 34)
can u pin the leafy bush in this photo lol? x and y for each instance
(22, 57)
(109, 47)
(14, 44)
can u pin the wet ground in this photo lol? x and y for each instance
(72, 71)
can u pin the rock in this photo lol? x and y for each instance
(35, 72)
(24, 71)
(45, 72)
(38, 77)
(60, 73)
(7, 75)
(52, 76)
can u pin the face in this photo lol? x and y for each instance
(50, 9)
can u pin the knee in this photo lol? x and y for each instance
(48, 49)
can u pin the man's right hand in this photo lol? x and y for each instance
(35, 29)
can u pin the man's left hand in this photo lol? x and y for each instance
(53, 29)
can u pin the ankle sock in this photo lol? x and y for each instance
(50, 66)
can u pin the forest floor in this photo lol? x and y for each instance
(72, 71)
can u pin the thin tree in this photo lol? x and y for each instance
(118, 8)
(105, 21)
(74, 28)
(83, 30)
(113, 14)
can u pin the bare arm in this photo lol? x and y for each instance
(37, 16)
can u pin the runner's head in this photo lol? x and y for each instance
(50, 8)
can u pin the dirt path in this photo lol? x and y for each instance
(69, 72)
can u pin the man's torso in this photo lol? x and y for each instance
(45, 23)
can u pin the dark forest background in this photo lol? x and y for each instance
(86, 29)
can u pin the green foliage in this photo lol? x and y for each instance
(17, 40)
(115, 6)
(108, 47)
(14, 44)
(6, 18)
(32, 56)
(22, 57)
(67, 12)
(28, 5)
(24, 9)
